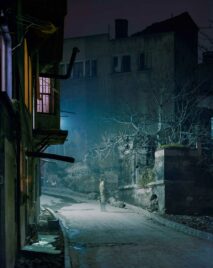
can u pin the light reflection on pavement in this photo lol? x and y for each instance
(121, 238)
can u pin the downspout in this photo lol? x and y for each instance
(67, 75)
(18, 191)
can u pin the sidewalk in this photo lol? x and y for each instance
(79, 198)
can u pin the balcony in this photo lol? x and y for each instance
(47, 118)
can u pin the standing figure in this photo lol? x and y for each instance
(102, 194)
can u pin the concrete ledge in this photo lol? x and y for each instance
(67, 258)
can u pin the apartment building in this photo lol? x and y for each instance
(118, 81)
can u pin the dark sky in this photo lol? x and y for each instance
(86, 17)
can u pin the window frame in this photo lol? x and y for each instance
(119, 64)
(92, 68)
(89, 69)
(76, 76)
(45, 100)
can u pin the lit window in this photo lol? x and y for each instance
(45, 102)
(121, 64)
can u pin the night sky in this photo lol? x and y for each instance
(87, 17)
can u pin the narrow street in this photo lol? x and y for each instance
(121, 238)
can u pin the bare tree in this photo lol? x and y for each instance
(172, 119)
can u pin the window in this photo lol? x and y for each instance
(5, 61)
(87, 68)
(90, 68)
(45, 102)
(78, 70)
(125, 67)
(94, 68)
(121, 64)
(144, 60)
(141, 62)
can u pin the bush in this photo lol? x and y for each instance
(172, 145)
(147, 176)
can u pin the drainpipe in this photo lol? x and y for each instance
(67, 75)
(18, 193)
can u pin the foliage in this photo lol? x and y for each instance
(146, 177)
(174, 145)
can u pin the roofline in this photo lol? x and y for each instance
(87, 36)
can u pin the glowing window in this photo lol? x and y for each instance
(45, 102)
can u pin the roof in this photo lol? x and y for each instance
(180, 23)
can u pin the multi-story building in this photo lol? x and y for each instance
(31, 45)
(127, 81)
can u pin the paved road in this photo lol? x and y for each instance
(121, 238)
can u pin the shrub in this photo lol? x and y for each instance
(147, 176)
(172, 145)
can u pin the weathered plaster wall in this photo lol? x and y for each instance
(8, 241)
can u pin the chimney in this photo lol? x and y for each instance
(121, 28)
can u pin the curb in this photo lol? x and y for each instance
(67, 258)
(174, 225)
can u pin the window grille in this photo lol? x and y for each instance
(45, 102)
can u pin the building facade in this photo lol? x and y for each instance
(31, 46)
(127, 85)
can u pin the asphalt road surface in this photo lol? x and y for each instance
(122, 238)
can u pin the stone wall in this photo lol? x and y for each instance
(185, 185)
(135, 196)
(182, 185)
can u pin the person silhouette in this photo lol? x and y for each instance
(102, 191)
